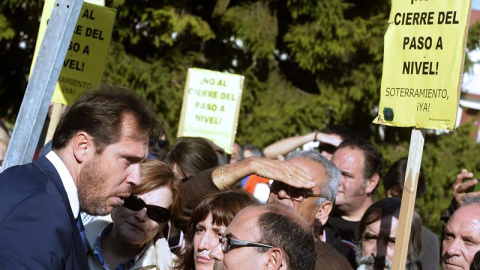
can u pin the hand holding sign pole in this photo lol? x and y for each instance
(422, 71)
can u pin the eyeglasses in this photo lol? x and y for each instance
(155, 213)
(294, 192)
(227, 242)
(158, 142)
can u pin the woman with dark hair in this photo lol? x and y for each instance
(393, 182)
(133, 238)
(208, 222)
(395, 177)
(190, 156)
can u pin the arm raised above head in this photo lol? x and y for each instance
(271, 169)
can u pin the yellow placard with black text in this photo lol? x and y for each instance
(85, 60)
(211, 105)
(423, 63)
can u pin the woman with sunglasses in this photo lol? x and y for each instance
(207, 224)
(134, 240)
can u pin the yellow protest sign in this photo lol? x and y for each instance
(423, 63)
(85, 60)
(211, 104)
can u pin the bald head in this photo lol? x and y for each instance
(290, 240)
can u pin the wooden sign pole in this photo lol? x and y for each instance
(408, 199)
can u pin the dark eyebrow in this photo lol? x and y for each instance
(370, 235)
(230, 235)
(347, 174)
(447, 231)
(469, 238)
(216, 228)
(133, 159)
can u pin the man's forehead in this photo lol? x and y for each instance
(245, 222)
(348, 152)
(313, 168)
(386, 226)
(466, 217)
(349, 159)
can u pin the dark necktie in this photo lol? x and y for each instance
(81, 230)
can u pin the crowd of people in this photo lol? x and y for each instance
(111, 193)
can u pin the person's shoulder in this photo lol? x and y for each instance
(329, 258)
(21, 182)
(27, 175)
(428, 234)
(39, 204)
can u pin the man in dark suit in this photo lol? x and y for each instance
(97, 150)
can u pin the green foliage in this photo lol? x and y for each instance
(165, 93)
(442, 160)
(167, 21)
(256, 26)
(266, 118)
(6, 31)
(472, 43)
(473, 36)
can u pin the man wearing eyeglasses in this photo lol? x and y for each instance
(266, 237)
(314, 204)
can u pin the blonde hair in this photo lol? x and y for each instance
(4, 137)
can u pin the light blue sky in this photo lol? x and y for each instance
(476, 4)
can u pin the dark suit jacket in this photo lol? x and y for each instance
(334, 239)
(329, 259)
(37, 228)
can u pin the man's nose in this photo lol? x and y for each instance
(134, 178)
(283, 195)
(380, 249)
(452, 248)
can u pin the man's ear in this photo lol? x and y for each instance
(372, 182)
(82, 146)
(324, 212)
(275, 259)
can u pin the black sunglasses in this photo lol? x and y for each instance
(293, 192)
(227, 242)
(155, 213)
(160, 143)
(327, 148)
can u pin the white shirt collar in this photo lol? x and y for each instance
(67, 181)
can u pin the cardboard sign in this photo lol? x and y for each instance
(423, 63)
(211, 104)
(85, 60)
